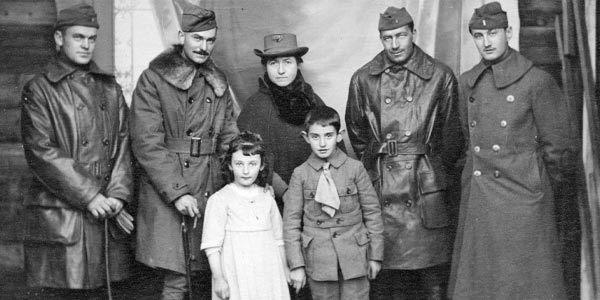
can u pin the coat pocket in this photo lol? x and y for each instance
(434, 211)
(348, 198)
(53, 225)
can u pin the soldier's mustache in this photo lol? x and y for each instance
(201, 52)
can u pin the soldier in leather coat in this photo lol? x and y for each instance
(402, 120)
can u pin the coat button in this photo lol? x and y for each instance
(409, 203)
(105, 142)
(348, 191)
(497, 174)
(206, 194)
(335, 234)
(389, 136)
(338, 221)
(84, 142)
(387, 70)
(188, 132)
(496, 148)
(107, 178)
(473, 123)
(319, 222)
(312, 195)
(208, 100)
(186, 163)
(409, 98)
(386, 203)
(388, 100)
(477, 173)
(476, 149)
(510, 98)
(389, 167)
(503, 123)
(191, 100)
(80, 106)
(103, 106)
(409, 166)
(408, 133)
(471, 99)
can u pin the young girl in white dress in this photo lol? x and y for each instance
(242, 233)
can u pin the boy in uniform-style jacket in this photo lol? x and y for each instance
(332, 229)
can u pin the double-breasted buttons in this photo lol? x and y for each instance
(103, 106)
(496, 148)
(107, 178)
(477, 173)
(84, 142)
(503, 123)
(389, 167)
(191, 100)
(409, 98)
(471, 99)
(408, 133)
(80, 106)
(206, 194)
(188, 132)
(387, 70)
(312, 194)
(335, 234)
(476, 148)
(409, 203)
(389, 136)
(319, 222)
(387, 100)
(497, 174)
(186, 163)
(348, 191)
(105, 142)
(409, 166)
(339, 221)
(473, 123)
(510, 98)
(208, 100)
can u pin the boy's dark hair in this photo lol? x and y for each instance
(251, 144)
(265, 60)
(324, 116)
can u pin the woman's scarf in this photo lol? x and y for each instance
(294, 100)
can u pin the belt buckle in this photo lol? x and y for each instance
(195, 146)
(392, 146)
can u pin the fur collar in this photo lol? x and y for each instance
(180, 72)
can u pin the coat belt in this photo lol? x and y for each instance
(393, 148)
(189, 145)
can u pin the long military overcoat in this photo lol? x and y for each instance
(515, 119)
(76, 142)
(403, 124)
(173, 102)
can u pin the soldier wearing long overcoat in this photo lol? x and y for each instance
(182, 118)
(519, 142)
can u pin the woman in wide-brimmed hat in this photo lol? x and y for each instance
(277, 110)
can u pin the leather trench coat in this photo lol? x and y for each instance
(76, 143)
(173, 102)
(404, 127)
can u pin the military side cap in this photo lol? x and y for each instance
(196, 19)
(393, 18)
(488, 16)
(281, 44)
(81, 14)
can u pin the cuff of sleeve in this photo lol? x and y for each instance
(174, 191)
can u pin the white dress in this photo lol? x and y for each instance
(245, 226)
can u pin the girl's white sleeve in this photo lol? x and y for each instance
(215, 218)
(276, 223)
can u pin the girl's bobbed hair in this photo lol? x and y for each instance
(249, 143)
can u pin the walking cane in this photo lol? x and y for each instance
(108, 288)
(187, 257)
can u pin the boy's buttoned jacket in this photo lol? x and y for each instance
(349, 239)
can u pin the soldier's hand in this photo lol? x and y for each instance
(116, 205)
(125, 221)
(187, 205)
(100, 206)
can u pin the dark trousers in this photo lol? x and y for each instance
(428, 283)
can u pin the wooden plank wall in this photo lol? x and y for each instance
(26, 44)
